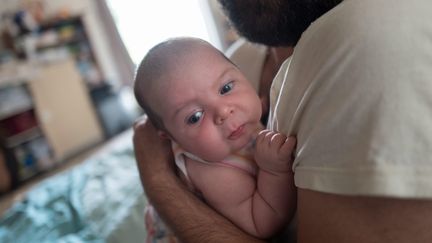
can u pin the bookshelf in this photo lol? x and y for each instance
(46, 110)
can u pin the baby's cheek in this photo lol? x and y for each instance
(257, 105)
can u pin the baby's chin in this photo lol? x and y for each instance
(232, 147)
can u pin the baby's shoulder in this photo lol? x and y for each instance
(218, 179)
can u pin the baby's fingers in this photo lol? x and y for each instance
(264, 137)
(287, 149)
(277, 140)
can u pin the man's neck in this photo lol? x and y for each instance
(280, 54)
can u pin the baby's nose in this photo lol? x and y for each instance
(222, 114)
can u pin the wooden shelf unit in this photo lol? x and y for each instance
(60, 119)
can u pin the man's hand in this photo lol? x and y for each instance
(153, 154)
(273, 151)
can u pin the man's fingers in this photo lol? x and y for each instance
(140, 121)
(147, 142)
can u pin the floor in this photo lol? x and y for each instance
(8, 199)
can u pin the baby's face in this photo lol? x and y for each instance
(208, 106)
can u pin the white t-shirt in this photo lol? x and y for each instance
(358, 95)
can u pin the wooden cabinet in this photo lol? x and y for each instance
(64, 109)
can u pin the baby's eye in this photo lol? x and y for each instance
(226, 88)
(194, 118)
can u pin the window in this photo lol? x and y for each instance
(143, 24)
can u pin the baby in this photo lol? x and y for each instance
(199, 99)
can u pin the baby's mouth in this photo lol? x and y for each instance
(237, 133)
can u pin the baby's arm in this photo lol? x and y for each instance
(275, 182)
(260, 207)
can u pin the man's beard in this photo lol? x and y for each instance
(275, 22)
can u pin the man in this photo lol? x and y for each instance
(358, 97)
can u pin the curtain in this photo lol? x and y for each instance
(122, 59)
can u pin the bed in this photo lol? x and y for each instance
(99, 200)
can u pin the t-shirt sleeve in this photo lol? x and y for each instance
(358, 96)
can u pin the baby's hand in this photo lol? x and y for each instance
(273, 151)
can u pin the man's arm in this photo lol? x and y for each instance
(324, 217)
(189, 218)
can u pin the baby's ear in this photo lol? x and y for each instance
(163, 134)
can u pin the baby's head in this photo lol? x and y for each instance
(194, 95)
(158, 66)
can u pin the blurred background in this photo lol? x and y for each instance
(66, 73)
